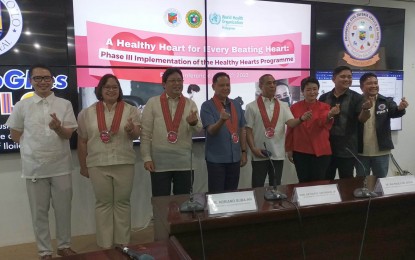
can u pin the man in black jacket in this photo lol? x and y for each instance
(354, 108)
(374, 136)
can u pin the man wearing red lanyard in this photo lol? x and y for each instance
(168, 122)
(225, 149)
(266, 118)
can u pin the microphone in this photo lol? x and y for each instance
(191, 205)
(272, 194)
(134, 254)
(364, 191)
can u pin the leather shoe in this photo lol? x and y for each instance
(45, 257)
(66, 252)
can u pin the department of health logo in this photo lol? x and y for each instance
(214, 18)
(362, 35)
(194, 18)
(10, 36)
(172, 17)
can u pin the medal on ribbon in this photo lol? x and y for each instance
(235, 138)
(269, 132)
(268, 124)
(104, 134)
(172, 125)
(172, 137)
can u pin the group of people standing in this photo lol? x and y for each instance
(318, 136)
(345, 125)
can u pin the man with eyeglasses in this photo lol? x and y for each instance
(343, 134)
(43, 125)
(168, 122)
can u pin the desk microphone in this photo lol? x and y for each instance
(191, 205)
(134, 254)
(272, 194)
(362, 192)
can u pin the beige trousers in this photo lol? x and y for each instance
(41, 193)
(112, 186)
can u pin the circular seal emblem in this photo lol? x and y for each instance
(172, 137)
(105, 136)
(214, 18)
(269, 132)
(235, 138)
(172, 17)
(382, 107)
(194, 18)
(9, 37)
(362, 35)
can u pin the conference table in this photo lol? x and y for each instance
(382, 227)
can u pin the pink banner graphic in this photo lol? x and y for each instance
(107, 45)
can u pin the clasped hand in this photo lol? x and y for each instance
(192, 118)
(55, 123)
(224, 115)
(403, 104)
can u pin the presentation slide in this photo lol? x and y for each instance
(244, 38)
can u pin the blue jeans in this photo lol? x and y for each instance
(378, 164)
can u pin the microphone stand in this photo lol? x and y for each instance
(273, 193)
(401, 172)
(135, 255)
(191, 205)
(364, 191)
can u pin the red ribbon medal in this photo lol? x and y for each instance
(232, 123)
(269, 125)
(104, 134)
(172, 126)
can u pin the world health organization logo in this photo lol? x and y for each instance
(362, 35)
(214, 18)
(9, 37)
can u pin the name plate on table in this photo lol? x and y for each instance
(395, 185)
(314, 195)
(231, 202)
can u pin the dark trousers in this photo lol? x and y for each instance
(223, 176)
(260, 170)
(310, 167)
(161, 183)
(345, 166)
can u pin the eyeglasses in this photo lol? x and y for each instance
(112, 88)
(40, 78)
(180, 81)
